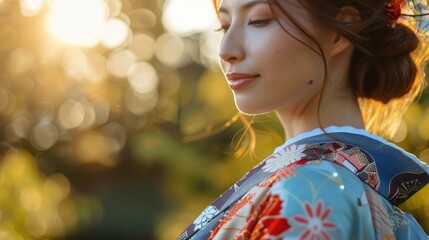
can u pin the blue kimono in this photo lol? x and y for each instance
(316, 187)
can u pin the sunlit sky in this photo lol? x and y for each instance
(90, 22)
(81, 22)
(187, 16)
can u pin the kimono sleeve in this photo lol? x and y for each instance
(320, 200)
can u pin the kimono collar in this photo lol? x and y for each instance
(391, 171)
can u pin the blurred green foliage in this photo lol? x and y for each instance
(96, 139)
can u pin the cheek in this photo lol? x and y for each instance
(301, 59)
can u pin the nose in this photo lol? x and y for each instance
(231, 47)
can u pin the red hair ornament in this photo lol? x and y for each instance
(394, 10)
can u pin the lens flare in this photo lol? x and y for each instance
(78, 22)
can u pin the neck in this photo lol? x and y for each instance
(338, 106)
(343, 112)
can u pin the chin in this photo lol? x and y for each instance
(251, 109)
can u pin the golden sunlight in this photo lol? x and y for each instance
(78, 22)
(30, 8)
(187, 17)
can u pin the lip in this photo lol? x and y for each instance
(237, 81)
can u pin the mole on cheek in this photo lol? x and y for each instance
(310, 82)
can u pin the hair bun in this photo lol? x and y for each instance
(395, 41)
(390, 72)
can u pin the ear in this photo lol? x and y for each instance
(347, 14)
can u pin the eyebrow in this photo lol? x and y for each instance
(244, 6)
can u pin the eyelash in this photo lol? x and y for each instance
(256, 23)
(221, 29)
(259, 22)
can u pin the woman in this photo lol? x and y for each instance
(329, 69)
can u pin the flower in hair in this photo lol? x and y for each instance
(393, 8)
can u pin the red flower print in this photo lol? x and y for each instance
(274, 226)
(273, 207)
(315, 223)
(269, 223)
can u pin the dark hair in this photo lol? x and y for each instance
(381, 66)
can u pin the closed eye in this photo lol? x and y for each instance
(259, 22)
(256, 23)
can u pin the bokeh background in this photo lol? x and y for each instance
(116, 123)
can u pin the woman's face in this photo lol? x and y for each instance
(266, 68)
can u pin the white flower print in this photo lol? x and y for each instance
(205, 217)
(283, 158)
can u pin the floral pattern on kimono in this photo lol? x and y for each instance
(320, 189)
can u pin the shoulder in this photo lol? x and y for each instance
(317, 180)
(319, 184)
(321, 197)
